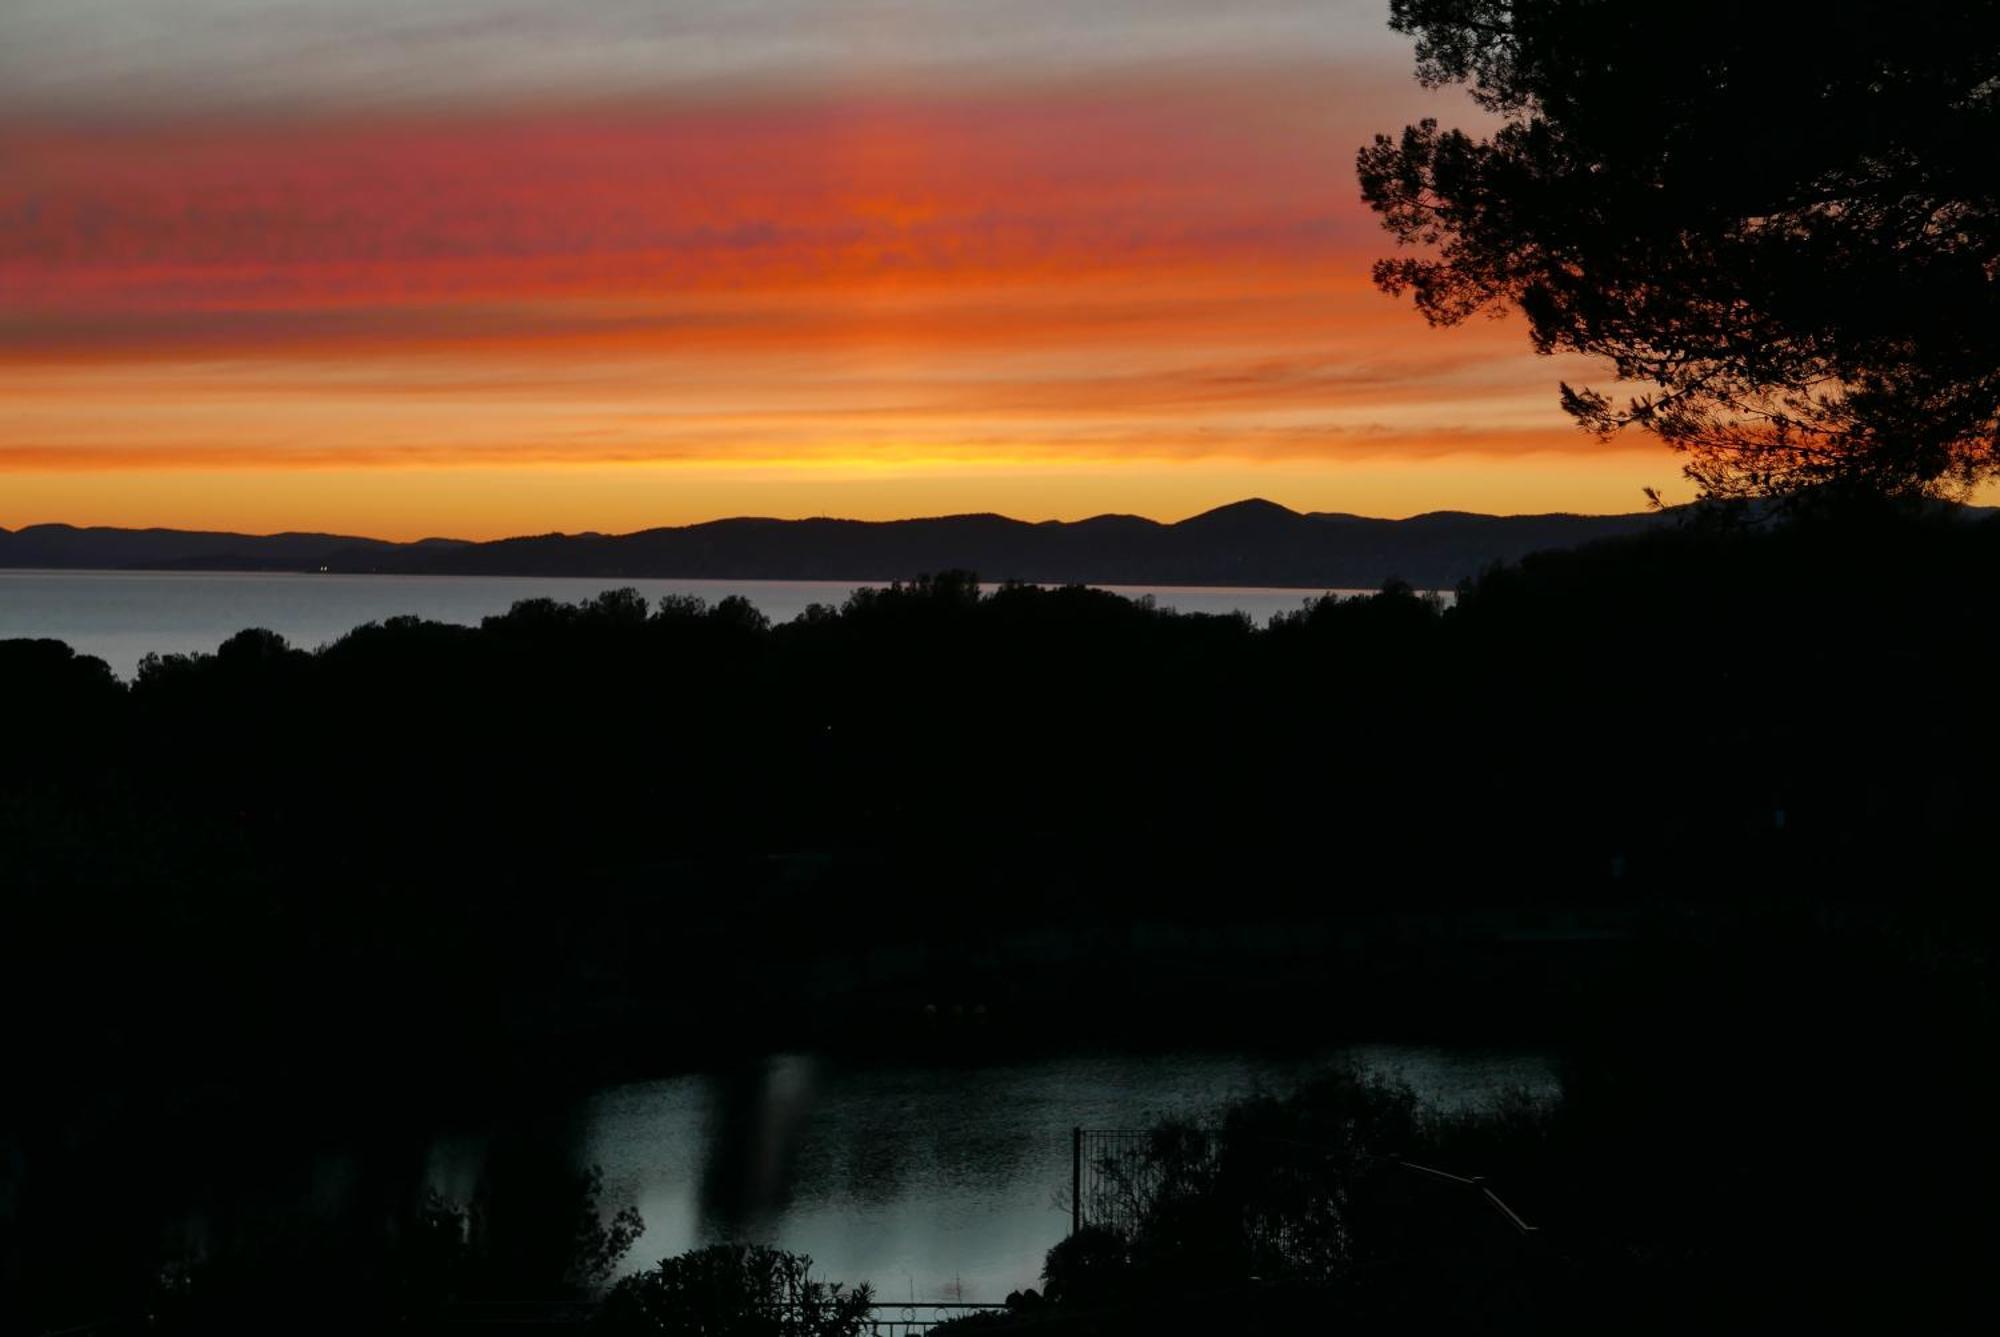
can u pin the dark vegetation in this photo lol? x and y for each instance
(733, 1290)
(1779, 223)
(543, 1261)
(1682, 1184)
(486, 829)
(1709, 808)
(532, 1240)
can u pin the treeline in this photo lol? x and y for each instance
(582, 803)
(1633, 703)
(578, 838)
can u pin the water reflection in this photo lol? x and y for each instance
(933, 1183)
(751, 1135)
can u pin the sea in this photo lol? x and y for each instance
(121, 616)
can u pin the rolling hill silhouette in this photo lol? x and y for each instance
(1252, 542)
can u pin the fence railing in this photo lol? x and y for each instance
(1114, 1173)
(910, 1319)
(898, 1318)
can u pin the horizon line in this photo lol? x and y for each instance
(823, 517)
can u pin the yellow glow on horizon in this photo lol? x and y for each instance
(1050, 303)
(481, 503)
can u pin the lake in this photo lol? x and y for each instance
(935, 1181)
(119, 616)
(932, 1183)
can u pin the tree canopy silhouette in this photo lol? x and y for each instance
(1782, 220)
(735, 1290)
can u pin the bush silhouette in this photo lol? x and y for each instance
(734, 1290)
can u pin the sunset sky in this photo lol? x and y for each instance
(479, 267)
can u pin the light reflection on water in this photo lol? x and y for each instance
(932, 1183)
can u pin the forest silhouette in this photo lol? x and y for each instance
(1718, 792)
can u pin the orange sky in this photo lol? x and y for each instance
(1049, 297)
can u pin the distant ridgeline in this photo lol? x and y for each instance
(1248, 543)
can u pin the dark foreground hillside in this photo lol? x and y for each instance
(1709, 781)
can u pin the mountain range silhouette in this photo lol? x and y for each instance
(1253, 542)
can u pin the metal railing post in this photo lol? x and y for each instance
(1075, 1179)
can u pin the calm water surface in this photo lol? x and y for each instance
(931, 1183)
(120, 616)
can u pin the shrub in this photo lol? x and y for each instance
(734, 1290)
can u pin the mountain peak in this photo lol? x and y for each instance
(1250, 508)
